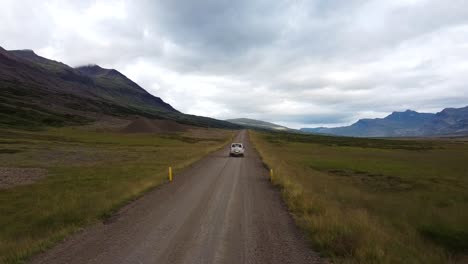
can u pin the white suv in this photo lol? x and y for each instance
(237, 149)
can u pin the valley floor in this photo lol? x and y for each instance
(56, 181)
(374, 200)
(219, 210)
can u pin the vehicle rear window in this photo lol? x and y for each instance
(236, 146)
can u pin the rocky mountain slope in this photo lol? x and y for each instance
(36, 91)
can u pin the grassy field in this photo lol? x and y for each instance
(374, 200)
(89, 176)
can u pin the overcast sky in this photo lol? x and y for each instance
(296, 63)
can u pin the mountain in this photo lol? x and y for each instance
(36, 91)
(450, 121)
(117, 87)
(257, 124)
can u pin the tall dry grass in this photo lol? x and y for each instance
(351, 219)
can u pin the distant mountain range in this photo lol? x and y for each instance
(450, 121)
(252, 123)
(36, 91)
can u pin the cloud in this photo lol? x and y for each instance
(298, 63)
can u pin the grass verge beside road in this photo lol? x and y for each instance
(374, 200)
(89, 175)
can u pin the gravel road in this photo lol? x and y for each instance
(219, 210)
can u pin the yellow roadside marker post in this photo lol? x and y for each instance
(170, 174)
(271, 175)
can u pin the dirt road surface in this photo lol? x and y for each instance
(220, 210)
